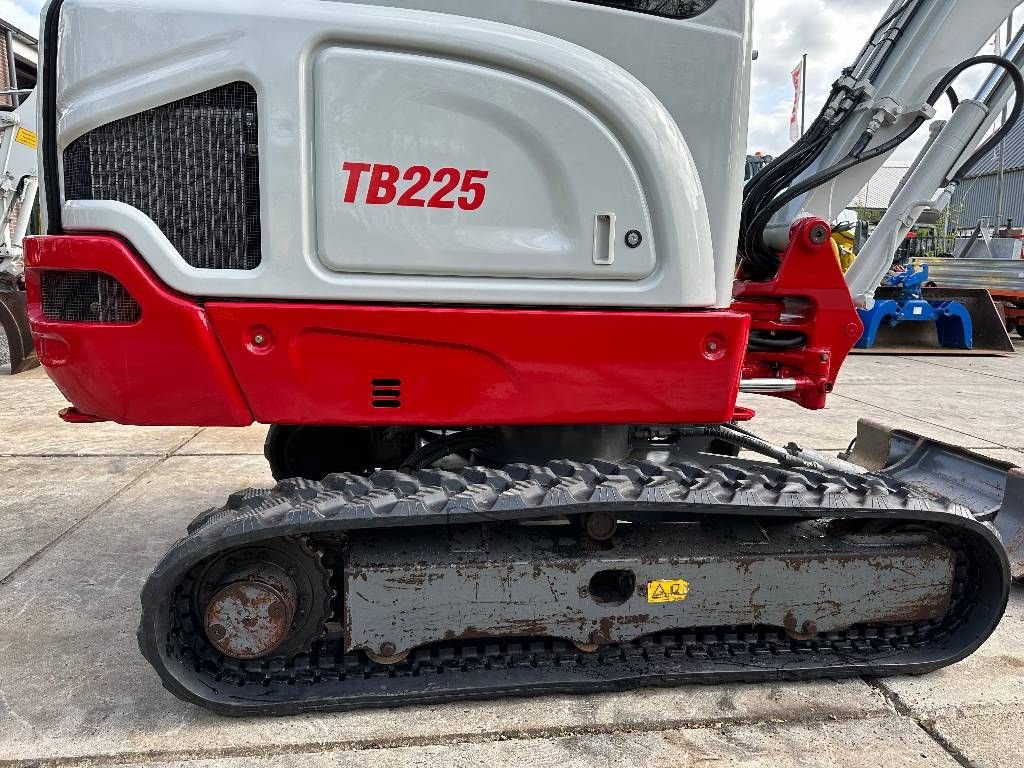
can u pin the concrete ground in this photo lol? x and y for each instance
(86, 511)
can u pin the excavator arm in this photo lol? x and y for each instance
(19, 183)
(879, 102)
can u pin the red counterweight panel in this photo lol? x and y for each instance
(157, 364)
(121, 346)
(375, 365)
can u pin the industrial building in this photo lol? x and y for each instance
(990, 193)
(18, 55)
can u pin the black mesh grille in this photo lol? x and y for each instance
(677, 9)
(86, 297)
(192, 166)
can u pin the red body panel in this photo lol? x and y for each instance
(462, 366)
(808, 296)
(317, 363)
(165, 369)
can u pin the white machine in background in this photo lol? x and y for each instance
(19, 184)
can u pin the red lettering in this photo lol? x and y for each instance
(355, 174)
(447, 187)
(471, 183)
(382, 189)
(419, 175)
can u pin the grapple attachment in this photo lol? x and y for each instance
(988, 328)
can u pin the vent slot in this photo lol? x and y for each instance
(192, 166)
(386, 393)
(73, 296)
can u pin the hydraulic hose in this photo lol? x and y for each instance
(435, 450)
(754, 233)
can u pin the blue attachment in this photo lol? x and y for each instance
(953, 321)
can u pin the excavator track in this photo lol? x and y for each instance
(327, 520)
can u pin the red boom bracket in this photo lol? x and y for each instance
(809, 300)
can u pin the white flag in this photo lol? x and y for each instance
(798, 85)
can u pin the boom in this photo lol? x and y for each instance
(889, 92)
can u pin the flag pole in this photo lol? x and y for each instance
(803, 97)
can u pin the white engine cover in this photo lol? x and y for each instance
(409, 155)
(533, 214)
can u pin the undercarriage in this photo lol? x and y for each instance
(430, 584)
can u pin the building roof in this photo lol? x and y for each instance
(879, 190)
(19, 34)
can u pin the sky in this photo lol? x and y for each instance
(831, 32)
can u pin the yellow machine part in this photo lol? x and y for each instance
(842, 246)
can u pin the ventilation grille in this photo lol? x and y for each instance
(386, 393)
(192, 166)
(86, 297)
(677, 9)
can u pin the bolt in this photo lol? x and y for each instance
(819, 234)
(259, 339)
(633, 239)
(824, 357)
(601, 526)
(712, 347)
(217, 632)
(387, 649)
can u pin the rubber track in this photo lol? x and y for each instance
(329, 678)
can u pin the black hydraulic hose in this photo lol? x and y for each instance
(1018, 108)
(768, 342)
(884, 26)
(755, 233)
(435, 450)
(779, 175)
(762, 263)
(954, 100)
(892, 17)
(744, 439)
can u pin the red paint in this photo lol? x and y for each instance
(355, 173)
(317, 364)
(165, 369)
(743, 414)
(227, 363)
(419, 175)
(808, 296)
(472, 182)
(75, 416)
(383, 180)
(383, 189)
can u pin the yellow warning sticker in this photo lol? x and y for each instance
(27, 137)
(667, 590)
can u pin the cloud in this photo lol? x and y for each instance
(832, 33)
(23, 14)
